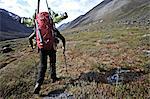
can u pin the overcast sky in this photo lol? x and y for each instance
(26, 8)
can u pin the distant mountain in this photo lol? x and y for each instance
(63, 26)
(10, 26)
(113, 10)
(14, 16)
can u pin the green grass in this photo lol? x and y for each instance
(86, 51)
(18, 78)
(123, 47)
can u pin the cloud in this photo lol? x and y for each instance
(1, 1)
(74, 8)
(23, 2)
(26, 8)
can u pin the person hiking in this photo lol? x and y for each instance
(56, 19)
(48, 46)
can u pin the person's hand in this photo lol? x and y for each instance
(65, 15)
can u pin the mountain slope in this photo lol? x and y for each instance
(112, 10)
(10, 27)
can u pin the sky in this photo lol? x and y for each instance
(26, 8)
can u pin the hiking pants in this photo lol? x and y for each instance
(43, 64)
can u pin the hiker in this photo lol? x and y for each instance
(56, 19)
(43, 48)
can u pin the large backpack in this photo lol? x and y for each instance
(44, 31)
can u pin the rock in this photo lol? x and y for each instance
(91, 76)
(6, 49)
(146, 52)
(114, 79)
(60, 96)
(146, 35)
(115, 76)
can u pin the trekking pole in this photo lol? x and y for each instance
(49, 12)
(39, 33)
(49, 19)
(47, 5)
(65, 61)
(38, 6)
(36, 23)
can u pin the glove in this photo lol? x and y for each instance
(65, 15)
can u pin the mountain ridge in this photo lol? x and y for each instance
(10, 26)
(108, 11)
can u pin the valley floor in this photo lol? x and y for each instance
(92, 57)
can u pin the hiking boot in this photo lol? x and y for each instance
(37, 88)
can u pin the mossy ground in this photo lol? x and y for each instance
(98, 51)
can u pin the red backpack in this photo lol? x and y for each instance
(44, 31)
